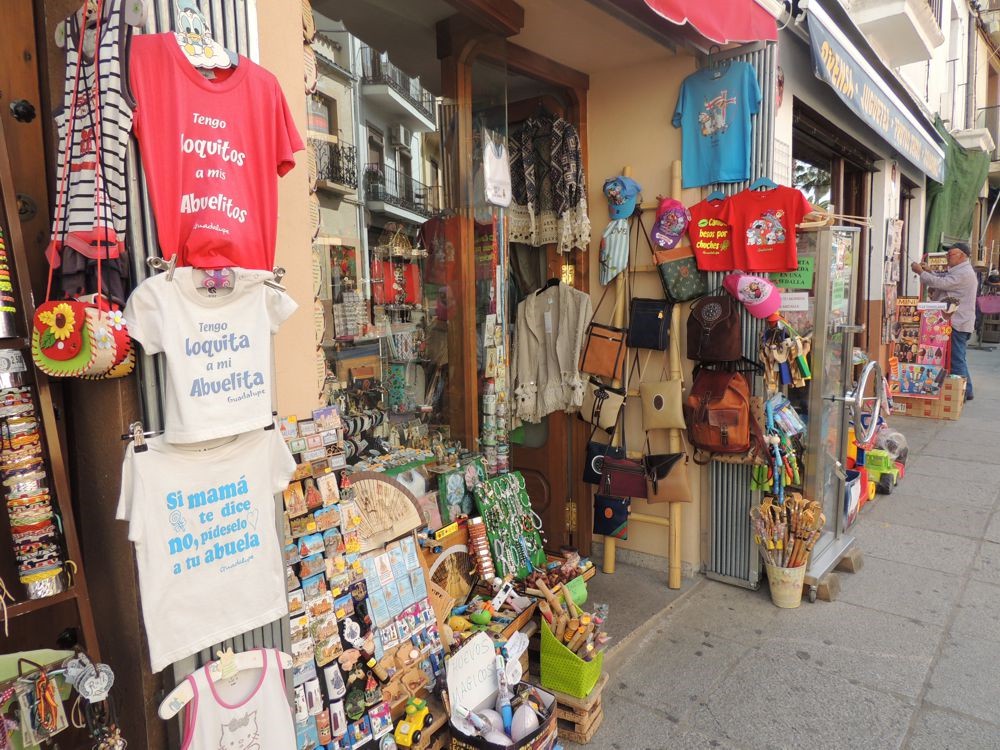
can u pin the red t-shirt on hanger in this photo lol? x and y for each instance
(212, 150)
(763, 227)
(711, 238)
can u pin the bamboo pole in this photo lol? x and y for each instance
(618, 320)
(676, 441)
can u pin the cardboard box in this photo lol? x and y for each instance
(948, 405)
(472, 682)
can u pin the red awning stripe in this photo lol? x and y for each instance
(720, 21)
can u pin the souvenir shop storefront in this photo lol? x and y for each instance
(344, 349)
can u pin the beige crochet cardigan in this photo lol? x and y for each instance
(547, 340)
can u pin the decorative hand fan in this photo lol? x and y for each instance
(388, 510)
(453, 571)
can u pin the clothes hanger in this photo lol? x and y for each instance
(717, 66)
(715, 195)
(553, 282)
(134, 13)
(194, 36)
(227, 665)
(763, 182)
(159, 264)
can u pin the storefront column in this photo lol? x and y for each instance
(295, 346)
(463, 401)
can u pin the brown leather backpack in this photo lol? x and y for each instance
(714, 333)
(717, 412)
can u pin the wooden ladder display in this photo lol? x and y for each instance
(676, 445)
(76, 591)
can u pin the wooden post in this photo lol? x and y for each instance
(676, 441)
(618, 321)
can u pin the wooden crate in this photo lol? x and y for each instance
(948, 404)
(580, 718)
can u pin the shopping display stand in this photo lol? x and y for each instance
(673, 522)
(580, 718)
(76, 591)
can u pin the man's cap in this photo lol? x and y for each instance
(963, 246)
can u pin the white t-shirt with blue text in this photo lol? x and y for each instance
(203, 524)
(217, 349)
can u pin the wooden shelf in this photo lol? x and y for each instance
(48, 421)
(33, 605)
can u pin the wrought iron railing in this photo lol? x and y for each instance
(336, 162)
(391, 186)
(989, 118)
(376, 68)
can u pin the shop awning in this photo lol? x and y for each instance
(841, 64)
(720, 21)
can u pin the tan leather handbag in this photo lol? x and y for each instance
(602, 404)
(662, 401)
(603, 351)
(667, 478)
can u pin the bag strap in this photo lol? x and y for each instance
(663, 371)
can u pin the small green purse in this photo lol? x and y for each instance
(682, 281)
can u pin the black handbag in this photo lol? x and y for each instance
(596, 452)
(649, 323)
(611, 516)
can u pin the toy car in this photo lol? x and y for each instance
(882, 470)
(418, 717)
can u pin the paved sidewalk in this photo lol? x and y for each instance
(907, 657)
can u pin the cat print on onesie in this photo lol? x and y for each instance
(241, 734)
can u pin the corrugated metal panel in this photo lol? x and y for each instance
(234, 24)
(733, 558)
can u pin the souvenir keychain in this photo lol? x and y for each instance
(7, 725)
(93, 683)
(41, 708)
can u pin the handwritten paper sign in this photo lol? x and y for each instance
(472, 674)
(802, 278)
(795, 302)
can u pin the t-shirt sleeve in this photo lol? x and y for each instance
(728, 213)
(282, 463)
(280, 307)
(143, 316)
(287, 138)
(802, 206)
(130, 492)
(137, 55)
(752, 88)
(679, 109)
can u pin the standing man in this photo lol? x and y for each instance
(958, 281)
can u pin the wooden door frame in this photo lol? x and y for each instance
(461, 42)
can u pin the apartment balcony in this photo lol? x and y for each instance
(336, 166)
(388, 191)
(399, 96)
(904, 31)
(988, 119)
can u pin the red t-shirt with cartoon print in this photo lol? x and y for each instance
(212, 150)
(763, 227)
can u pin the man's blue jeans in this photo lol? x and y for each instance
(959, 366)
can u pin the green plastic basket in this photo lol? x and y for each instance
(564, 671)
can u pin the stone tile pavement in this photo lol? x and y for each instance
(907, 657)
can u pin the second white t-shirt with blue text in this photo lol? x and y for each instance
(217, 348)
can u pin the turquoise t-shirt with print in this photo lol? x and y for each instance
(714, 117)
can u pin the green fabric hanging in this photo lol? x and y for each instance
(950, 206)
